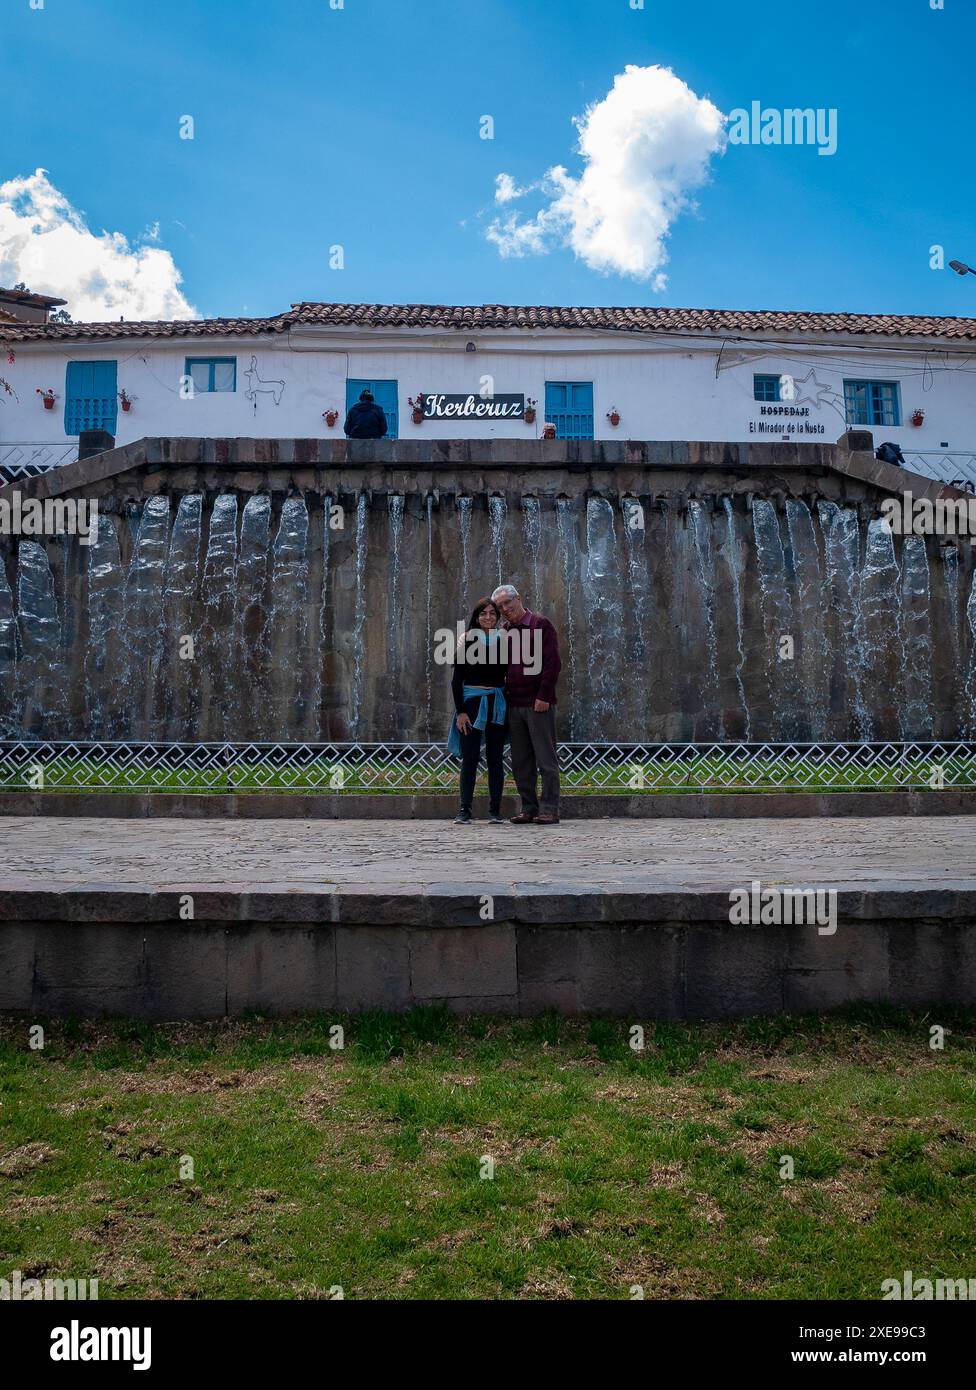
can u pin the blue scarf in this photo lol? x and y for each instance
(469, 692)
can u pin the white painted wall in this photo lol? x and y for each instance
(664, 389)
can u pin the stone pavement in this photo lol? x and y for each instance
(50, 855)
(623, 917)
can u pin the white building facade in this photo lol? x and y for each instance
(483, 371)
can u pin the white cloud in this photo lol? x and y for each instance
(645, 146)
(45, 242)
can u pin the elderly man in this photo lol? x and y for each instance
(530, 692)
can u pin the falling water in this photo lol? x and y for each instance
(393, 615)
(879, 631)
(428, 606)
(220, 657)
(464, 521)
(8, 656)
(917, 707)
(601, 594)
(39, 671)
(566, 523)
(701, 532)
(144, 614)
(362, 517)
(531, 540)
(250, 616)
(842, 552)
(637, 577)
(814, 653)
(733, 562)
(287, 627)
(497, 509)
(182, 656)
(777, 613)
(971, 673)
(105, 677)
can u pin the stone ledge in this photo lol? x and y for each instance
(437, 806)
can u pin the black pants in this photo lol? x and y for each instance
(494, 741)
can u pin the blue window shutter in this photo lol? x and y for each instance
(569, 406)
(90, 399)
(385, 393)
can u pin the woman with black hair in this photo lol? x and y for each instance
(478, 687)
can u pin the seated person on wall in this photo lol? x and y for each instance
(366, 419)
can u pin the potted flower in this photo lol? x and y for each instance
(529, 413)
(613, 415)
(47, 396)
(918, 416)
(418, 408)
(330, 417)
(125, 400)
(548, 431)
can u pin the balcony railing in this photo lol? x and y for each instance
(21, 460)
(945, 466)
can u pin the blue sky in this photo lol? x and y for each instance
(360, 127)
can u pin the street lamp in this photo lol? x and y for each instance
(961, 268)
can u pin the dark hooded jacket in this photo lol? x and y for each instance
(366, 420)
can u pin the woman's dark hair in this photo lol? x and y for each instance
(479, 608)
(366, 395)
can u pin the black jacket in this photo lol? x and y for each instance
(366, 420)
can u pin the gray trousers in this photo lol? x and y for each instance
(533, 742)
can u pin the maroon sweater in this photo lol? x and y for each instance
(522, 689)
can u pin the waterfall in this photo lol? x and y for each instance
(701, 534)
(814, 651)
(105, 676)
(531, 540)
(601, 594)
(287, 627)
(971, 673)
(144, 615)
(9, 724)
(917, 708)
(428, 608)
(879, 629)
(733, 562)
(637, 578)
(464, 521)
(40, 674)
(842, 553)
(221, 658)
(777, 614)
(393, 625)
(362, 518)
(566, 524)
(182, 656)
(321, 654)
(497, 509)
(250, 616)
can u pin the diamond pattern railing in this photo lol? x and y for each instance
(28, 460)
(410, 767)
(943, 466)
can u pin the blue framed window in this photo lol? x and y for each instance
(212, 373)
(569, 406)
(385, 394)
(872, 402)
(90, 399)
(765, 388)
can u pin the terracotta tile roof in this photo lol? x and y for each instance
(471, 317)
(39, 301)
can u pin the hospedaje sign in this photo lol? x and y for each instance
(442, 406)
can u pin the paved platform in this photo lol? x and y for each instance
(196, 918)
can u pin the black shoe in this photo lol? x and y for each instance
(463, 817)
(496, 818)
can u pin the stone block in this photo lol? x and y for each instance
(372, 968)
(276, 970)
(733, 970)
(16, 965)
(463, 962)
(87, 971)
(631, 971)
(186, 971)
(826, 972)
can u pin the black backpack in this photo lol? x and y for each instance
(890, 453)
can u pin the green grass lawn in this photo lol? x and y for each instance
(363, 1167)
(647, 776)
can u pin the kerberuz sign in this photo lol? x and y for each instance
(439, 406)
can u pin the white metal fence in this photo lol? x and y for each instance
(19, 460)
(625, 769)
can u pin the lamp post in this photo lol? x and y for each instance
(961, 268)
